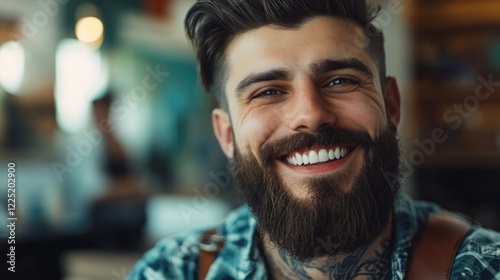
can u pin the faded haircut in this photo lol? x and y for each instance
(212, 24)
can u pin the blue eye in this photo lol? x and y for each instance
(342, 82)
(342, 85)
(268, 92)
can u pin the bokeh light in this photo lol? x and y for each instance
(12, 60)
(89, 30)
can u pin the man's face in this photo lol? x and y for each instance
(284, 81)
(314, 84)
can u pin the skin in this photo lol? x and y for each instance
(302, 98)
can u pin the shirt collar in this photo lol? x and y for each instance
(242, 242)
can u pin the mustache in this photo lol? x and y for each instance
(324, 137)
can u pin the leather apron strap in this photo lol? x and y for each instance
(210, 245)
(435, 247)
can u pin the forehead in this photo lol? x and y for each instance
(271, 47)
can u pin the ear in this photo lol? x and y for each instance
(392, 101)
(223, 131)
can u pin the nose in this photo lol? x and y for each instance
(308, 110)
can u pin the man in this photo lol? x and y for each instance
(309, 121)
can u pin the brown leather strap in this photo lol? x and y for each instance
(435, 247)
(210, 245)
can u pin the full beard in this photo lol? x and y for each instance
(331, 221)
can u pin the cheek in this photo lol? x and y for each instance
(255, 129)
(365, 113)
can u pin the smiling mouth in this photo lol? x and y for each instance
(317, 156)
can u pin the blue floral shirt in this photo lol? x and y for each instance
(241, 258)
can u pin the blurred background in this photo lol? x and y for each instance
(102, 113)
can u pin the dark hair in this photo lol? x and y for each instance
(212, 24)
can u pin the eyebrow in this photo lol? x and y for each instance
(271, 75)
(332, 65)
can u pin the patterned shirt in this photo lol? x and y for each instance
(241, 258)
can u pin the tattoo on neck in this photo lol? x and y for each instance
(355, 265)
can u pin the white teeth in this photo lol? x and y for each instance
(313, 157)
(331, 155)
(305, 159)
(323, 155)
(298, 158)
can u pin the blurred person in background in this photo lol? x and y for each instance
(308, 119)
(118, 215)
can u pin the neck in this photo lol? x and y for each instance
(371, 262)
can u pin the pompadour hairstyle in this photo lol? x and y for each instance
(212, 24)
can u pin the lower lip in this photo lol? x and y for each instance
(321, 167)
